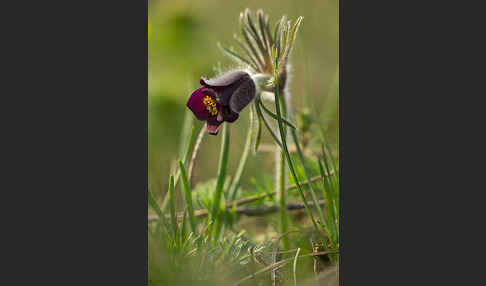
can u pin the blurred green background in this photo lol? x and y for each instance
(182, 48)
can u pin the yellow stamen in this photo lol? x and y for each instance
(210, 105)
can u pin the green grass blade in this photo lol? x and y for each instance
(173, 218)
(188, 196)
(183, 229)
(223, 162)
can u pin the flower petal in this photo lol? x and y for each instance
(228, 114)
(196, 105)
(226, 85)
(243, 95)
(224, 80)
(213, 125)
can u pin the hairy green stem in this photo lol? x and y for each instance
(282, 194)
(281, 180)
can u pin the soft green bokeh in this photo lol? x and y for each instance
(182, 48)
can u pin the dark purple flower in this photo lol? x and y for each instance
(221, 99)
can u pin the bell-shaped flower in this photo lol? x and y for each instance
(221, 99)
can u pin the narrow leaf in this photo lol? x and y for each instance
(267, 124)
(188, 197)
(253, 31)
(173, 218)
(261, 24)
(246, 36)
(235, 56)
(223, 162)
(245, 49)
